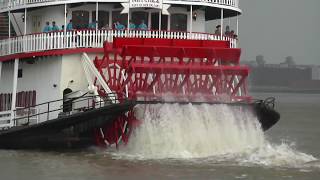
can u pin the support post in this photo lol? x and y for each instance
(25, 21)
(0, 70)
(190, 18)
(9, 25)
(221, 22)
(65, 18)
(160, 13)
(9, 33)
(97, 15)
(238, 24)
(169, 23)
(128, 20)
(65, 27)
(14, 91)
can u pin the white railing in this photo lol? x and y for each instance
(5, 4)
(5, 117)
(91, 39)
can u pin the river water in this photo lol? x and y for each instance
(192, 142)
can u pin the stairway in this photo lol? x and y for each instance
(4, 26)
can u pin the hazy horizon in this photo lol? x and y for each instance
(277, 29)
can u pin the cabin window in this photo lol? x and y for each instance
(155, 21)
(138, 16)
(80, 19)
(20, 73)
(122, 18)
(178, 22)
(103, 18)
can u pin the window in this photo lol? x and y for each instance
(178, 22)
(103, 18)
(19, 73)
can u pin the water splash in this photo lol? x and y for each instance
(209, 132)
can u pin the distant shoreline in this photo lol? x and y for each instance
(284, 90)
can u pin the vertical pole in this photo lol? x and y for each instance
(149, 20)
(191, 19)
(0, 71)
(128, 23)
(110, 19)
(9, 25)
(97, 15)
(238, 24)
(169, 22)
(65, 18)
(25, 21)
(65, 27)
(160, 19)
(221, 22)
(9, 33)
(14, 90)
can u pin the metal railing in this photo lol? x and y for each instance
(92, 39)
(63, 107)
(5, 117)
(5, 4)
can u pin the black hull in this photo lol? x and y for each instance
(76, 131)
(73, 131)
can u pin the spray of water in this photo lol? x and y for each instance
(210, 132)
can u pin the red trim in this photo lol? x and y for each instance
(50, 53)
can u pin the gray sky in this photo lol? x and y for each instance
(279, 28)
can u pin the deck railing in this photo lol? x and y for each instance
(5, 4)
(91, 39)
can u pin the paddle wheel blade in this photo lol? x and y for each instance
(181, 70)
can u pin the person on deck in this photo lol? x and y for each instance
(143, 26)
(93, 25)
(69, 26)
(227, 33)
(132, 26)
(47, 28)
(218, 30)
(54, 26)
(119, 26)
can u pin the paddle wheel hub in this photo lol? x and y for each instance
(173, 70)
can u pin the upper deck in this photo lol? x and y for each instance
(184, 20)
(14, 5)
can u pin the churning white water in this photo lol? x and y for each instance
(210, 132)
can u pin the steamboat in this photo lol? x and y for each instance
(72, 72)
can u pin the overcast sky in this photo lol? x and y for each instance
(279, 28)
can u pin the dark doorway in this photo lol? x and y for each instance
(67, 103)
(155, 21)
(178, 22)
(80, 19)
(138, 16)
(103, 18)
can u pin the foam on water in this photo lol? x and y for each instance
(208, 132)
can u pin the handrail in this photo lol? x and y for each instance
(91, 103)
(92, 39)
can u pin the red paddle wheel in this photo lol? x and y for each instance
(168, 70)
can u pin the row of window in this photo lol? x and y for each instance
(178, 22)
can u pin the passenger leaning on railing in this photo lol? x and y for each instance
(70, 26)
(47, 27)
(142, 26)
(132, 26)
(119, 26)
(93, 25)
(54, 26)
